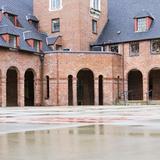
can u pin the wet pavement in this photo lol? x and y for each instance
(80, 133)
(95, 142)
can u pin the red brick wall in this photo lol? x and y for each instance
(70, 64)
(75, 21)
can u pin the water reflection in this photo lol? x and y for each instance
(95, 142)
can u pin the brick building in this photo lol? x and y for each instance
(75, 52)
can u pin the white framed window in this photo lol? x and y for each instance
(55, 5)
(95, 4)
(142, 25)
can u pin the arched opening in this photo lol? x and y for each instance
(29, 88)
(12, 87)
(100, 88)
(70, 90)
(85, 87)
(135, 85)
(154, 84)
(47, 87)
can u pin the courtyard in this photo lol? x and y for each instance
(80, 133)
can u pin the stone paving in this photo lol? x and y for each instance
(42, 118)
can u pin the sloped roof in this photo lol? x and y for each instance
(120, 27)
(23, 9)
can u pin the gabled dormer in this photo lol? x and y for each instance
(10, 15)
(143, 21)
(55, 42)
(33, 20)
(10, 37)
(33, 40)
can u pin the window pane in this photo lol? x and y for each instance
(155, 46)
(134, 48)
(142, 25)
(113, 48)
(55, 4)
(12, 41)
(96, 4)
(55, 25)
(94, 26)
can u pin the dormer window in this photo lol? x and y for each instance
(142, 25)
(35, 44)
(33, 20)
(12, 18)
(142, 22)
(12, 40)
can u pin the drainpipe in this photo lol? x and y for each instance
(42, 77)
(123, 71)
(57, 57)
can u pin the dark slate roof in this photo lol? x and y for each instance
(143, 13)
(23, 9)
(120, 27)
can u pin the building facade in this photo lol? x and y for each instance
(74, 52)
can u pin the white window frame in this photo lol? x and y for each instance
(54, 9)
(92, 5)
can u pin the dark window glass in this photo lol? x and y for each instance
(155, 46)
(56, 25)
(113, 48)
(134, 48)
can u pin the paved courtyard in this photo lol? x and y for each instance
(43, 118)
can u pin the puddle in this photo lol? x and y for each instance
(94, 142)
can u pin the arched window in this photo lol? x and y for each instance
(100, 88)
(47, 87)
(70, 90)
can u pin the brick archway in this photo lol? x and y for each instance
(135, 85)
(85, 87)
(29, 87)
(12, 86)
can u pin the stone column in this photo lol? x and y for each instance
(3, 91)
(21, 92)
(75, 91)
(96, 92)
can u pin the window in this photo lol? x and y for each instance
(142, 25)
(36, 45)
(95, 4)
(94, 26)
(55, 4)
(13, 41)
(134, 48)
(113, 48)
(155, 46)
(14, 20)
(56, 25)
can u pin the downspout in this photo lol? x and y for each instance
(123, 74)
(57, 57)
(42, 77)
